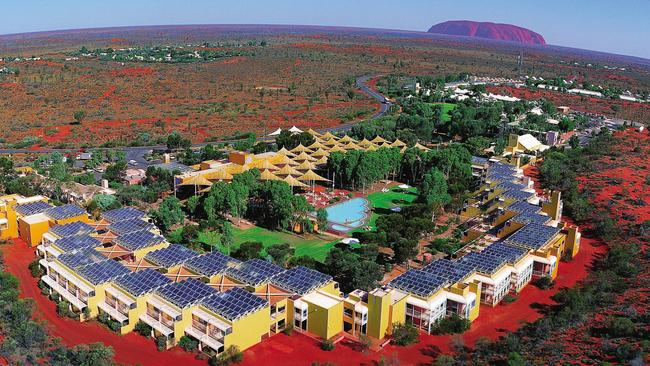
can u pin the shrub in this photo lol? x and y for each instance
(102, 318)
(62, 308)
(327, 345)
(143, 329)
(451, 325)
(161, 343)
(404, 334)
(509, 299)
(620, 327)
(35, 269)
(544, 282)
(188, 344)
(114, 325)
(230, 356)
(288, 330)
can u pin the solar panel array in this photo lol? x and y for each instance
(210, 264)
(72, 229)
(255, 271)
(418, 283)
(484, 262)
(129, 226)
(139, 239)
(301, 280)
(142, 282)
(80, 258)
(234, 304)
(72, 243)
(449, 270)
(65, 212)
(186, 293)
(500, 249)
(524, 207)
(517, 194)
(33, 208)
(507, 186)
(171, 256)
(479, 160)
(531, 218)
(121, 214)
(533, 236)
(101, 272)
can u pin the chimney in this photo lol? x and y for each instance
(104, 183)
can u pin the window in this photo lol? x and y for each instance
(348, 312)
(281, 309)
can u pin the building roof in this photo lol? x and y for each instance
(301, 280)
(33, 208)
(255, 271)
(418, 283)
(72, 229)
(142, 282)
(139, 239)
(101, 272)
(81, 257)
(235, 303)
(171, 256)
(121, 214)
(65, 212)
(186, 293)
(72, 243)
(130, 225)
(210, 264)
(533, 236)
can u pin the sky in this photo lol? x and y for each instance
(616, 26)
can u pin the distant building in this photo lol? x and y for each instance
(80, 193)
(552, 138)
(564, 110)
(134, 176)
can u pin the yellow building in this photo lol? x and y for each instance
(125, 300)
(9, 215)
(35, 219)
(315, 304)
(373, 313)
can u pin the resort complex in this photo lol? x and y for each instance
(120, 266)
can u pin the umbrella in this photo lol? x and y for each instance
(330, 142)
(350, 146)
(276, 132)
(398, 143)
(263, 165)
(295, 129)
(316, 145)
(286, 152)
(288, 170)
(313, 133)
(336, 149)
(312, 177)
(220, 174)
(304, 156)
(386, 145)
(421, 147)
(378, 140)
(268, 175)
(319, 153)
(196, 180)
(322, 161)
(347, 138)
(300, 148)
(293, 182)
(237, 169)
(328, 135)
(365, 143)
(283, 160)
(306, 165)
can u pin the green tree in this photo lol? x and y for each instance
(168, 214)
(79, 116)
(248, 250)
(321, 219)
(280, 253)
(404, 334)
(433, 191)
(115, 172)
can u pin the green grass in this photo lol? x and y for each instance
(446, 108)
(314, 246)
(387, 200)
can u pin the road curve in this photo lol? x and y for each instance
(137, 153)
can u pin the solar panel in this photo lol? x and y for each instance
(72, 243)
(139, 239)
(484, 262)
(452, 271)
(255, 271)
(528, 218)
(235, 303)
(500, 249)
(210, 264)
(72, 229)
(517, 194)
(186, 293)
(129, 226)
(65, 212)
(33, 208)
(171, 256)
(479, 160)
(418, 283)
(98, 273)
(301, 280)
(121, 214)
(533, 236)
(524, 207)
(507, 186)
(81, 258)
(142, 282)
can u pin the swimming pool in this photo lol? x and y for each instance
(348, 215)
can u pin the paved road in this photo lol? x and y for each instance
(137, 154)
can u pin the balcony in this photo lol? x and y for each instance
(157, 325)
(204, 338)
(113, 312)
(72, 299)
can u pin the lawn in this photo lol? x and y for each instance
(446, 108)
(383, 201)
(315, 246)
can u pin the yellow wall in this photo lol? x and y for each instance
(331, 288)
(378, 314)
(32, 233)
(249, 330)
(139, 254)
(475, 287)
(181, 325)
(12, 224)
(397, 314)
(100, 296)
(552, 208)
(83, 218)
(572, 241)
(325, 323)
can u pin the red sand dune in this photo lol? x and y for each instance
(496, 31)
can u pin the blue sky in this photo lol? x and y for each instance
(618, 26)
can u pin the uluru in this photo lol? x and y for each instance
(496, 31)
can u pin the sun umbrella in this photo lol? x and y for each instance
(196, 180)
(378, 140)
(268, 175)
(306, 165)
(350, 146)
(316, 145)
(398, 143)
(336, 149)
(313, 133)
(288, 170)
(365, 143)
(347, 138)
(220, 174)
(328, 136)
(298, 149)
(319, 153)
(264, 164)
(331, 142)
(322, 161)
(312, 177)
(293, 182)
(421, 147)
(286, 152)
(304, 156)
(237, 169)
(283, 160)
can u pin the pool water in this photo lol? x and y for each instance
(348, 215)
